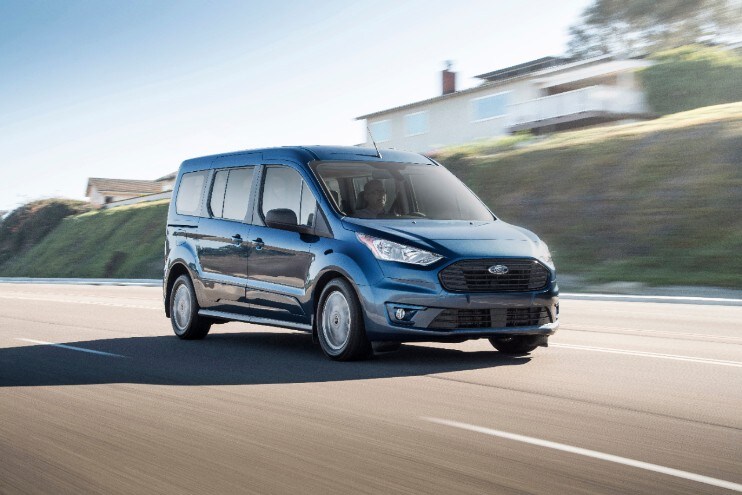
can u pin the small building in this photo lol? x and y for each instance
(106, 191)
(168, 181)
(544, 95)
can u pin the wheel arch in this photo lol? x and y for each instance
(176, 270)
(319, 286)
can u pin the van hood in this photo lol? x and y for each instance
(453, 238)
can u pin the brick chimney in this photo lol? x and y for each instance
(448, 80)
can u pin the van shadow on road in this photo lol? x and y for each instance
(223, 359)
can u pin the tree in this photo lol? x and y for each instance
(634, 27)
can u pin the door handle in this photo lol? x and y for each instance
(258, 244)
(237, 239)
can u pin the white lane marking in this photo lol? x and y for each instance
(590, 453)
(63, 300)
(674, 357)
(72, 348)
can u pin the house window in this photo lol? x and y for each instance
(381, 131)
(489, 107)
(416, 123)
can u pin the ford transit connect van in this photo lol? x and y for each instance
(363, 249)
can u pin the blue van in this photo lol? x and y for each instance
(364, 249)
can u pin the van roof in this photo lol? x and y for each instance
(306, 154)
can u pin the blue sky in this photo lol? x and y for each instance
(129, 89)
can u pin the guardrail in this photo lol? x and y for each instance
(154, 282)
(143, 282)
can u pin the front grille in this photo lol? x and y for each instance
(473, 276)
(450, 319)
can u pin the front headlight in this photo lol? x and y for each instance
(544, 255)
(393, 251)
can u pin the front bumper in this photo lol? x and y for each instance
(424, 305)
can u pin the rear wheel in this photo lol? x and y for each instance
(341, 332)
(515, 344)
(186, 322)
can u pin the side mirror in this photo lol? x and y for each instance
(285, 219)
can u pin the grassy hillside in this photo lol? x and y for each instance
(124, 242)
(692, 77)
(657, 202)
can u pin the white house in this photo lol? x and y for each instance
(544, 95)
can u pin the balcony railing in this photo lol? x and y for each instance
(592, 99)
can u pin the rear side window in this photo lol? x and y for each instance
(191, 187)
(284, 188)
(230, 193)
(216, 203)
(237, 196)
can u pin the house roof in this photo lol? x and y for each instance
(123, 186)
(170, 176)
(501, 79)
(522, 69)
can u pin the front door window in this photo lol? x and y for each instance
(284, 188)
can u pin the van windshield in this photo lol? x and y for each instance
(399, 190)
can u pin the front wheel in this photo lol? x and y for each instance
(340, 328)
(186, 322)
(515, 344)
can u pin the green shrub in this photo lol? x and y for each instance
(25, 226)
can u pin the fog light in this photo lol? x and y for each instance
(402, 314)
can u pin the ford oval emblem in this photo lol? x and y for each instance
(498, 269)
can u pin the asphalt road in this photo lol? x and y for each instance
(629, 398)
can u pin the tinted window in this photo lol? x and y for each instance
(237, 196)
(409, 191)
(189, 193)
(216, 204)
(284, 188)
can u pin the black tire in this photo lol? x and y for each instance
(184, 318)
(515, 345)
(340, 327)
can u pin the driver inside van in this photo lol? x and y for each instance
(374, 194)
